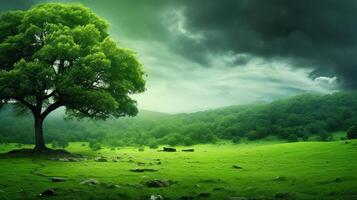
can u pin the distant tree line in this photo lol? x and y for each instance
(296, 118)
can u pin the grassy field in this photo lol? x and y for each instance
(302, 170)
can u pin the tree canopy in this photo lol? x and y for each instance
(55, 55)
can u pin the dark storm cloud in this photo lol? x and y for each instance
(321, 33)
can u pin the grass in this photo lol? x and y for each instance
(304, 170)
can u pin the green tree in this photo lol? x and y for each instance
(60, 55)
(352, 132)
(95, 145)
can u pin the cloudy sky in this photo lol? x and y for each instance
(203, 54)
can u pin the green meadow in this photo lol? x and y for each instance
(256, 170)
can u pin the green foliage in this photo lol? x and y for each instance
(55, 55)
(95, 145)
(153, 144)
(292, 138)
(306, 116)
(352, 132)
(236, 140)
(60, 143)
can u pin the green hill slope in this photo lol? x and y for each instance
(298, 117)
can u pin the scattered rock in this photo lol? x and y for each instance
(156, 197)
(143, 170)
(188, 150)
(159, 183)
(110, 186)
(284, 196)
(279, 178)
(58, 179)
(169, 149)
(70, 159)
(47, 193)
(141, 164)
(237, 167)
(89, 182)
(134, 185)
(101, 159)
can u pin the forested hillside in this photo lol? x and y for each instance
(296, 118)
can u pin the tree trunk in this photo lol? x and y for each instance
(39, 141)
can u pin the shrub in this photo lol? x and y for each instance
(153, 145)
(325, 137)
(352, 132)
(187, 141)
(253, 135)
(236, 140)
(292, 138)
(141, 148)
(60, 143)
(94, 145)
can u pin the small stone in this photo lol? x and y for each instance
(279, 178)
(47, 193)
(159, 183)
(169, 149)
(101, 159)
(89, 182)
(143, 170)
(110, 186)
(188, 150)
(58, 179)
(156, 197)
(237, 167)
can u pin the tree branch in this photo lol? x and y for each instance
(50, 95)
(51, 108)
(27, 104)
